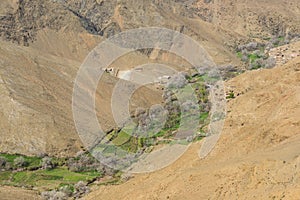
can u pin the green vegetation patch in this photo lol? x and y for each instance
(30, 162)
(121, 138)
(230, 95)
(49, 179)
(204, 116)
(239, 55)
(252, 57)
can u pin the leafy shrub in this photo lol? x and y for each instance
(245, 58)
(110, 171)
(8, 166)
(2, 162)
(253, 56)
(239, 54)
(54, 195)
(74, 165)
(177, 81)
(269, 46)
(67, 189)
(230, 95)
(47, 163)
(270, 63)
(249, 47)
(80, 189)
(20, 162)
(84, 163)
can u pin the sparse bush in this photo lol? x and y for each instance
(2, 162)
(83, 163)
(80, 189)
(245, 52)
(230, 95)
(20, 162)
(75, 165)
(100, 168)
(251, 46)
(126, 176)
(245, 58)
(269, 46)
(79, 153)
(54, 195)
(189, 106)
(67, 189)
(253, 66)
(42, 155)
(275, 41)
(259, 62)
(8, 166)
(214, 73)
(177, 81)
(270, 63)
(47, 163)
(239, 54)
(286, 41)
(86, 160)
(110, 171)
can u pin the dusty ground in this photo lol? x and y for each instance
(7, 193)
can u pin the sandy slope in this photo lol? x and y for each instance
(7, 193)
(257, 156)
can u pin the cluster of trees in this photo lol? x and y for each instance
(256, 54)
(17, 163)
(65, 192)
(21, 163)
(84, 163)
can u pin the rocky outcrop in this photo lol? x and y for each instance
(284, 54)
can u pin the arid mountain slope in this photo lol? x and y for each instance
(256, 19)
(37, 81)
(8, 193)
(44, 42)
(36, 93)
(257, 156)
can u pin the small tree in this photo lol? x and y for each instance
(80, 189)
(270, 63)
(47, 163)
(2, 162)
(67, 189)
(20, 162)
(8, 166)
(75, 165)
(54, 195)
